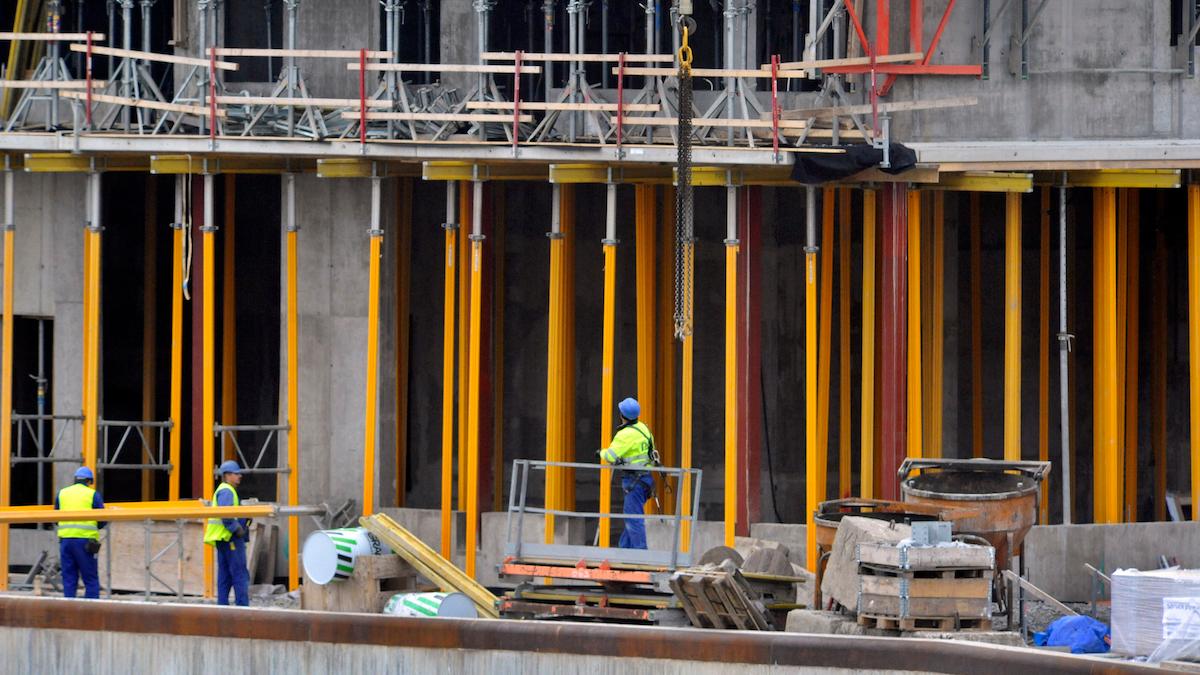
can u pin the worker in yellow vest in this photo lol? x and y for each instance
(79, 540)
(632, 448)
(229, 536)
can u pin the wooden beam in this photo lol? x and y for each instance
(52, 37)
(200, 110)
(302, 101)
(896, 106)
(762, 73)
(51, 84)
(154, 56)
(537, 105)
(852, 61)
(302, 53)
(448, 68)
(1042, 595)
(433, 117)
(577, 58)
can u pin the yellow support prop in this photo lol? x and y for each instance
(866, 477)
(176, 439)
(937, 321)
(566, 386)
(464, 337)
(844, 412)
(685, 439)
(474, 355)
(731, 371)
(824, 352)
(1107, 408)
(372, 394)
(1044, 353)
(208, 361)
(6, 372)
(1193, 263)
(813, 493)
(293, 382)
(1122, 290)
(92, 374)
(665, 402)
(553, 363)
(1012, 327)
(1130, 327)
(914, 325)
(607, 358)
(451, 255)
(85, 446)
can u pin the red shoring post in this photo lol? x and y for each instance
(362, 97)
(88, 112)
(775, 104)
(212, 93)
(620, 98)
(517, 99)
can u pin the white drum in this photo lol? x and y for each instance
(329, 555)
(454, 605)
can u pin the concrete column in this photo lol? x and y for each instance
(458, 40)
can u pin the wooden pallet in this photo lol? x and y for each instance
(719, 597)
(376, 578)
(911, 623)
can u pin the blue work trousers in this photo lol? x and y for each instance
(232, 572)
(77, 562)
(638, 488)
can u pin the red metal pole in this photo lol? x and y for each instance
(517, 99)
(212, 93)
(775, 103)
(893, 317)
(362, 96)
(88, 112)
(620, 98)
(750, 361)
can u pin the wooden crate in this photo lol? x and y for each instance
(926, 557)
(376, 578)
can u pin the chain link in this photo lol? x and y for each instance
(685, 235)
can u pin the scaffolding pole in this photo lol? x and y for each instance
(375, 233)
(208, 359)
(6, 369)
(731, 370)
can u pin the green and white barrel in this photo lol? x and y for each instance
(454, 605)
(329, 555)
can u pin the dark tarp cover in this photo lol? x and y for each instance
(812, 168)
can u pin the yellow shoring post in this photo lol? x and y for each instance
(553, 362)
(85, 446)
(844, 412)
(1107, 487)
(229, 313)
(1193, 263)
(731, 371)
(372, 395)
(404, 195)
(812, 482)
(665, 354)
(937, 339)
(92, 375)
(1044, 351)
(644, 254)
(914, 325)
(824, 352)
(464, 338)
(293, 378)
(607, 358)
(1158, 357)
(176, 439)
(6, 370)
(1012, 326)
(208, 362)
(149, 328)
(976, 330)
(866, 472)
(1098, 483)
(566, 388)
(451, 255)
(685, 439)
(1130, 327)
(474, 354)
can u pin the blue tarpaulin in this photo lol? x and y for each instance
(1083, 634)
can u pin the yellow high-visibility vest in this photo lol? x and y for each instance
(77, 497)
(215, 530)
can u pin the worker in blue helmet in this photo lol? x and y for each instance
(632, 447)
(79, 540)
(230, 536)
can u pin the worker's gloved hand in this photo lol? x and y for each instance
(92, 546)
(239, 532)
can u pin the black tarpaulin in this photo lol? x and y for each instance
(812, 168)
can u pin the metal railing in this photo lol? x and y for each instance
(133, 434)
(30, 432)
(518, 508)
(270, 434)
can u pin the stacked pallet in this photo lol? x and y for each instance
(940, 587)
(718, 596)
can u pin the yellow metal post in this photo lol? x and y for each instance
(474, 354)
(92, 375)
(229, 312)
(6, 370)
(1122, 291)
(85, 445)
(1106, 442)
(464, 337)
(731, 372)
(566, 385)
(814, 482)
(607, 356)
(1130, 327)
(937, 320)
(554, 362)
(1044, 352)
(177, 235)
(372, 395)
(1193, 263)
(450, 254)
(844, 412)
(914, 325)
(685, 439)
(208, 361)
(293, 379)
(866, 471)
(824, 351)
(976, 331)
(1012, 327)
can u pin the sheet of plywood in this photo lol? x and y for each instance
(127, 544)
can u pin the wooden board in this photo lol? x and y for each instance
(203, 111)
(927, 557)
(447, 68)
(302, 102)
(889, 605)
(852, 61)
(640, 71)
(128, 548)
(52, 37)
(718, 597)
(536, 105)
(154, 56)
(302, 53)
(376, 578)
(578, 58)
(897, 106)
(977, 588)
(436, 117)
(52, 84)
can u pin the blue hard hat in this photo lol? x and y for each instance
(84, 473)
(229, 466)
(629, 408)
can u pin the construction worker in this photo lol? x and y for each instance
(79, 541)
(633, 447)
(229, 536)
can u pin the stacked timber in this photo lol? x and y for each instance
(942, 587)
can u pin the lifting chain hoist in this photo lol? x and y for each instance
(685, 234)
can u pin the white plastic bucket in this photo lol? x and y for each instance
(455, 605)
(329, 555)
